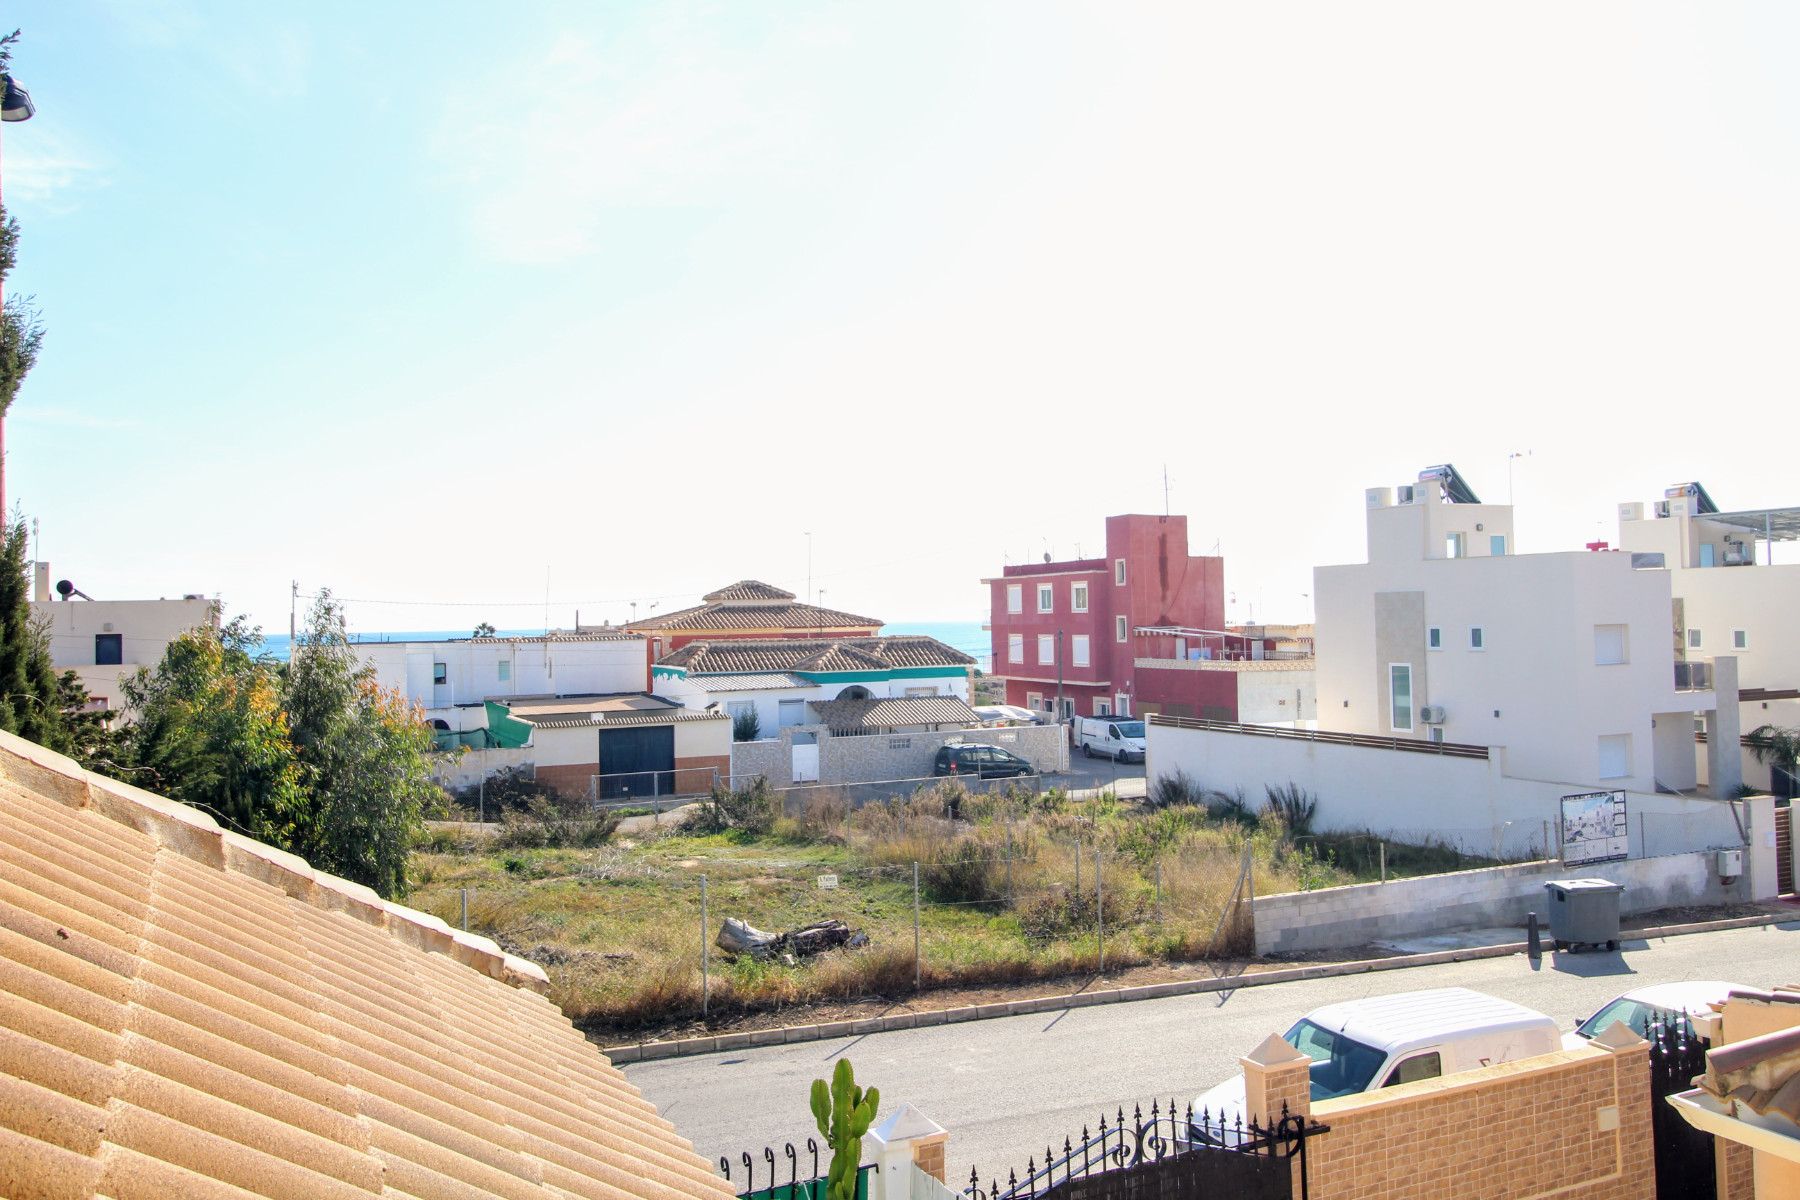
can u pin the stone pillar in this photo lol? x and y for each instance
(905, 1139)
(1629, 1118)
(1276, 1074)
(1724, 750)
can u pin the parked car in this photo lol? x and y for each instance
(1643, 1007)
(1007, 714)
(985, 762)
(1112, 737)
(1368, 1044)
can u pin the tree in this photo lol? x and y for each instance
(483, 630)
(208, 729)
(29, 694)
(1775, 746)
(361, 750)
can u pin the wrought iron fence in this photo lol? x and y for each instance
(796, 1188)
(1684, 1155)
(1100, 1161)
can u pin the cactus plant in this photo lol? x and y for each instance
(844, 1113)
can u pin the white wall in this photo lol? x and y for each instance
(1342, 917)
(562, 667)
(1471, 803)
(1537, 669)
(146, 627)
(1276, 697)
(690, 693)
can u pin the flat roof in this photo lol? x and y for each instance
(1775, 524)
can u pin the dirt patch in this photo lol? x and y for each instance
(1688, 914)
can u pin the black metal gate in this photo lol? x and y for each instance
(1684, 1155)
(1165, 1156)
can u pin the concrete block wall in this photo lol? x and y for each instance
(1338, 918)
(453, 773)
(872, 758)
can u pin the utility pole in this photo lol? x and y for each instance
(1059, 682)
(293, 625)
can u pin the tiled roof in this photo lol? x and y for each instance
(748, 589)
(809, 654)
(614, 720)
(186, 1012)
(530, 707)
(744, 615)
(882, 713)
(1759, 1071)
(748, 683)
(1234, 665)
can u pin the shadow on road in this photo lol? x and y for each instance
(1593, 966)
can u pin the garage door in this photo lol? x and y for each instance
(638, 761)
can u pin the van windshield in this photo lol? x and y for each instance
(1131, 729)
(1340, 1066)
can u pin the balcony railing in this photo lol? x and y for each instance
(1693, 676)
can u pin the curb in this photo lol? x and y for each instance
(788, 1035)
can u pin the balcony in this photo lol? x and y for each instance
(1694, 676)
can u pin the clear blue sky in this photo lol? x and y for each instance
(419, 301)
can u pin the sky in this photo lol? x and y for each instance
(472, 313)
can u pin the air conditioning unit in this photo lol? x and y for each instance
(1432, 714)
(1736, 555)
(1731, 864)
(1403, 494)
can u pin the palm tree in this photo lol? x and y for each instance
(1775, 746)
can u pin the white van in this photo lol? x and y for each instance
(1120, 738)
(1365, 1045)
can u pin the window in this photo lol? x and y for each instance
(1453, 545)
(1015, 597)
(1693, 639)
(1046, 597)
(1609, 645)
(1078, 597)
(1434, 638)
(1740, 639)
(1477, 638)
(1119, 572)
(1119, 628)
(740, 709)
(1615, 755)
(790, 712)
(1706, 554)
(505, 668)
(109, 649)
(1034, 701)
(1078, 649)
(1015, 647)
(440, 674)
(1102, 706)
(1400, 696)
(904, 743)
(1340, 1067)
(921, 691)
(1497, 544)
(1046, 648)
(1411, 1070)
(1121, 704)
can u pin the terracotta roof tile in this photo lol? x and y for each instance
(753, 656)
(184, 1011)
(748, 589)
(749, 615)
(889, 712)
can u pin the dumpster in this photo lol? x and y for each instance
(1584, 912)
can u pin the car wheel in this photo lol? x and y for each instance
(1087, 750)
(1121, 757)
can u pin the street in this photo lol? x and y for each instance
(1004, 1088)
(1094, 773)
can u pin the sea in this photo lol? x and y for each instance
(967, 636)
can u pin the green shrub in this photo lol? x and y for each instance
(547, 822)
(1175, 788)
(1294, 806)
(750, 809)
(746, 726)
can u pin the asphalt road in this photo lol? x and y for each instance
(1005, 1087)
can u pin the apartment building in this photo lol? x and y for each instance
(1078, 627)
(1561, 662)
(105, 641)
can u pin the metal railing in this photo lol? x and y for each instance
(650, 789)
(1411, 745)
(796, 1188)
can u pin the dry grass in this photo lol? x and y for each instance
(619, 927)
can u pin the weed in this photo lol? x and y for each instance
(1294, 806)
(1173, 789)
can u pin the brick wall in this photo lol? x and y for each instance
(1522, 1129)
(1736, 1179)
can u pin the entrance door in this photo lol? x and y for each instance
(806, 763)
(638, 761)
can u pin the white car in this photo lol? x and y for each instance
(1365, 1045)
(1659, 1003)
(1118, 738)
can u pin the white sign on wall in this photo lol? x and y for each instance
(1594, 828)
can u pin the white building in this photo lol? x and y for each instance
(777, 678)
(451, 679)
(106, 641)
(1563, 662)
(1729, 596)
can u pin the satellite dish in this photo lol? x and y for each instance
(63, 588)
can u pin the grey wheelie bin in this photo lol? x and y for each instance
(1584, 912)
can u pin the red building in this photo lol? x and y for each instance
(1097, 618)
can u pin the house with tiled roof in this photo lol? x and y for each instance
(187, 1012)
(774, 680)
(753, 610)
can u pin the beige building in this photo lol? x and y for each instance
(106, 641)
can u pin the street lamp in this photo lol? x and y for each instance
(15, 104)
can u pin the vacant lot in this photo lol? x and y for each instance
(1011, 888)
